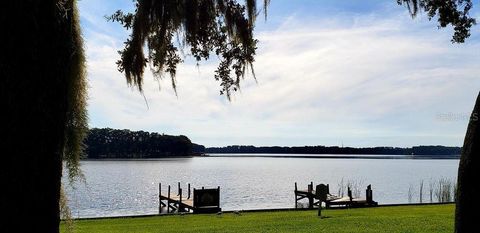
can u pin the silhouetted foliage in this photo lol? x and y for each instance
(198, 149)
(448, 12)
(416, 150)
(115, 143)
(222, 27)
(436, 150)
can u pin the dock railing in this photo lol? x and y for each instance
(332, 200)
(203, 201)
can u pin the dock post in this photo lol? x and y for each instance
(180, 206)
(178, 189)
(168, 200)
(310, 195)
(349, 192)
(218, 196)
(159, 198)
(188, 197)
(296, 202)
(369, 194)
(194, 204)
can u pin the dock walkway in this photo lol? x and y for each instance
(203, 200)
(333, 200)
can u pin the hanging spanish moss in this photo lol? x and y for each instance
(76, 126)
(205, 27)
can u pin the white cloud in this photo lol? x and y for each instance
(377, 81)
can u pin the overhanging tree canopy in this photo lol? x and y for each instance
(447, 12)
(223, 27)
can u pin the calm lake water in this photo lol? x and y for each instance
(116, 188)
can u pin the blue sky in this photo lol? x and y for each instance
(361, 73)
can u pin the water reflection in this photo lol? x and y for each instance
(131, 187)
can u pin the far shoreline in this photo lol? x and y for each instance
(332, 156)
(299, 156)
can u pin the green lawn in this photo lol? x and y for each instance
(430, 218)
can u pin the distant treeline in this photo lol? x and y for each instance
(115, 143)
(416, 150)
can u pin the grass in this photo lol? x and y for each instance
(425, 218)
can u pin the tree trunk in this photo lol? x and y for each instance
(467, 190)
(36, 50)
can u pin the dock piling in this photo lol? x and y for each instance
(159, 198)
(349, 193)
(310, 197)
(296, 201)
(168, 200)
(369, 194)
(180, 206)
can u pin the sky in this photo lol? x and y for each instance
(351, 73)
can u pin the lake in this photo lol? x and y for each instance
(130, 187)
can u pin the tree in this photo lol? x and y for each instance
(116, 143)
(466, 198)
(43, 94)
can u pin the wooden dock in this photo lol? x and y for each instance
(203, 200)
(332, 200)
